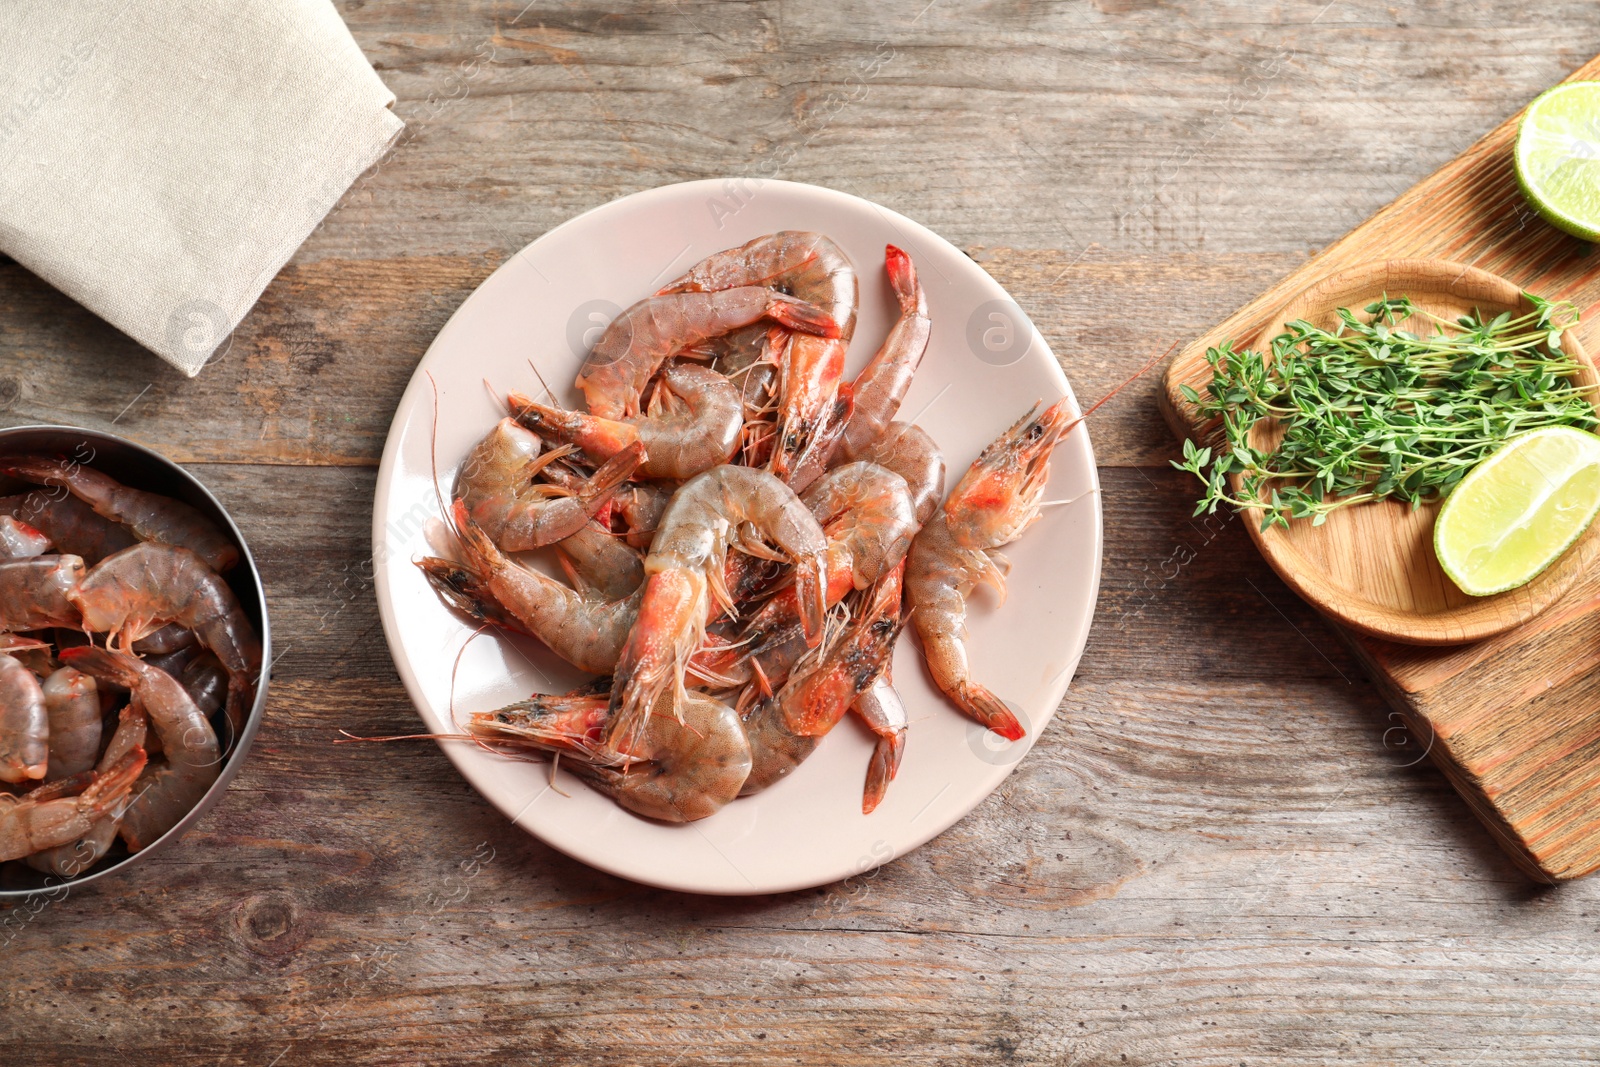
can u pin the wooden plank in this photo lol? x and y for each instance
(1516, 718)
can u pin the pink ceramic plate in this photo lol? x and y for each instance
(985, 365)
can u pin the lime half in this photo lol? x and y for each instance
(1518, 510)
(1558, 157)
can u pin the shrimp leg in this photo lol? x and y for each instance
(519, 515)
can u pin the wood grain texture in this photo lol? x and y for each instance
(1515, 724)
(1227, 847)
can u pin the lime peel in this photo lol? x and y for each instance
(1516, 512)
(1558, 157)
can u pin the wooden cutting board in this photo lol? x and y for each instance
(1514, 720)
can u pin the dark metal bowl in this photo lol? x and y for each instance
(141, 468)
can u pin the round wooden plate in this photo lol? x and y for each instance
(1371, 566)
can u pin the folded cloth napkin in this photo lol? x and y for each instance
(160, 160)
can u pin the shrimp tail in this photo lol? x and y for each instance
(106, 664)
(796, 314)
(812, 461)
(112, 784)
(902, 278)
(881, 770)
(987, 710)
(811, 595)
(605, 481)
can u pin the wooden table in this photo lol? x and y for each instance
(1223, 851)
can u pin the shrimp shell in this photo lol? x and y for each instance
(784, 729)
(633, 347)
(883, 382)
(151, 516)
(692, 425)
(37, 593)
(71, 525)
(586, 632)
(24, 724)
(137, 591)
(689, 760)
(814, 269)
(32, 824)
(72, 705)
(18, 540)
(512, 510)
(192, 756)
(722, 506)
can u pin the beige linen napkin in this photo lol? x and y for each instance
(160, 160)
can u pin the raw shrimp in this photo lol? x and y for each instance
(785, 728)
(18, 540)
(36, 593)
(626, 357)
(691, 424)
(749, 358)
(517, 514)
(911, 453)
(30, 824)
(881, 708)
(641, 507)
(882, 383)
(587, 632)
(723, 506)
(140, 589)
(165, 641)
(150, 516)
(956, 552)
(72, 705)
(75, 857)
(867, 515)
(71, 525)
(814, 269)
(603, 562)
(24, 724)
(999, 495)
(206, 680)
(192, 756)
(689, 759)
(133, 730)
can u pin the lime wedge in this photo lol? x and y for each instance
(1518, 510)
(1558, 157)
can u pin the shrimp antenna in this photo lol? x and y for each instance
(1064, 503)
(494, 395)
(456, 667)
(549, 392)
(350, 738)
(1135, 376)
(433, 451)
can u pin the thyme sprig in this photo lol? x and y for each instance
(1371, 411)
